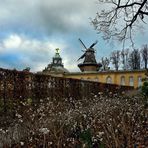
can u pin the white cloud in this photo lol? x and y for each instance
(69, 63)
(33, 53)
(13, 41)
(19, 43)
(30, 52)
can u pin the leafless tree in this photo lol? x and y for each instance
(144, 53)
(119, 18)
(124, 58)
(105, 62)
(134, 59)
(115, 59)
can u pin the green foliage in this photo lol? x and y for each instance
(101, 146)
(86, 137)
(29, 101)
(1, 105)
(6, 106)
(145, 93)
(145, 89)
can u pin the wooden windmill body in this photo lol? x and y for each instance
(89, 64)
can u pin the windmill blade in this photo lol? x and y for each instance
(93, 44)
(81, 57)
(82, 43)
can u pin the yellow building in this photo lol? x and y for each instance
(90, 71)
(127, 78)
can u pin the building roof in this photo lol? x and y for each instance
(56, 66)
(106, 72)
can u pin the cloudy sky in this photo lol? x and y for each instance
(30, 30)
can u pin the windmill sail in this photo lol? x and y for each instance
(81, 57)
(93, 44)
(82, 44)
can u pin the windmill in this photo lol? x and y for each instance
(88, 52)
(89, 63)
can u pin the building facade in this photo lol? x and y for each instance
(126, 78)
(89, 73)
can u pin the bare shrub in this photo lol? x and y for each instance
(109, 121)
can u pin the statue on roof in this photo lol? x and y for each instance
(57, 50)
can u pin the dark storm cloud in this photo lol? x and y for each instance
(64, 16)
(46, 15)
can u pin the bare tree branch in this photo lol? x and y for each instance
(121, 19)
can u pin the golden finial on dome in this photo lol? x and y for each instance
(57, 50)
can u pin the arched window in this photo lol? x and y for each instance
(109, 80)
(139, 81)
(96, 79)
(122, 80)
(82, 81)
(131, 81)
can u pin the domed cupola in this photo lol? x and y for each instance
(56, 66)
